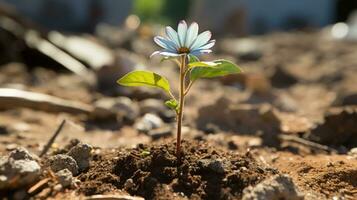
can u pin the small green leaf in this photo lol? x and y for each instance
(222, 68)
(145, 153)
(145, 78)
(202, 64)
(192, 58)
(172, 103)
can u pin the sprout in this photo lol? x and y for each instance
(183, 46)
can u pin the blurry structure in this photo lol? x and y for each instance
(260, 16)
(236, 17)
(73, 15)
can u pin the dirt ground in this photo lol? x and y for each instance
(293, 111)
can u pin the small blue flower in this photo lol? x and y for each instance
(184, 41)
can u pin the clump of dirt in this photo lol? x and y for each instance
(152, 171)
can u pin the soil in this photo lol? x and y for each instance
(152, 171)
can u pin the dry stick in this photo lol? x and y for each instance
(52, 139)
(307, 143)
(38, 186)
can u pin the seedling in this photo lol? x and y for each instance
(183, 47)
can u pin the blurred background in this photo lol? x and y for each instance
(236, 17)
(299, 58)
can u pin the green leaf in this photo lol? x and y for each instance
(172, 103)
(222, 68)
(202, 64)
(145, 153)
(192, 58)
(145, 78)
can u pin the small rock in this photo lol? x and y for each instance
(64, 177)
(81, 153)
(123, 106)
(148, 122)
(277, 187)
(18, 173)
(160, 132)
(62, 161)
(155, 106)
(21, 153)
(282, 78)
(216, 166)
(11, 146)
(353, 153)
(211, 128)
(129, 183)
(339, 127)
(347, 100)
(58, 187)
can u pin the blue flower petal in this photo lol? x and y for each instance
(164, 43)
(209, 45)
(201, 40)
(172, 35)
(200, 52)
(191, 34)
(181, 31)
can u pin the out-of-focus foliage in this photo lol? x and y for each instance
(161, 11)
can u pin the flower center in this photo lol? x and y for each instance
(183, 50)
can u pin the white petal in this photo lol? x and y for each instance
(201, 40)
(191, 34)
(210, 44)
(172, 35)
(165, 53)
(170, 54)
(164, 43)
(155, 53)
(181, 31)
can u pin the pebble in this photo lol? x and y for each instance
(21, 153)
(64, 177)
(155, 106)
(62, 161)
(216, 166)
(148, 122)
(123, 106)
(17, 173)
(277, 187)
(160, 132)
(81, 153)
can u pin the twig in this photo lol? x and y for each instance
(38, 185)
(52, 139)
(307, 143)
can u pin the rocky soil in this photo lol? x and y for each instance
(284, 129)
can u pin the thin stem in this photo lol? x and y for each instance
(181, 105)
(172, 96)
(188, 87)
